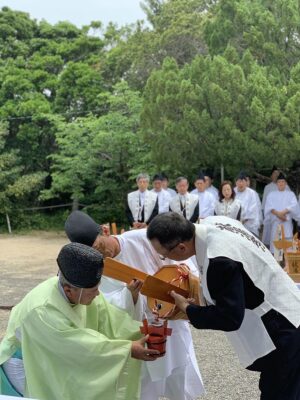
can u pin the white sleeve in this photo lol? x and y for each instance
(117, 294)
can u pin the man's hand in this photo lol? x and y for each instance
(140, 352)
(134, 287)
(185, 269)
(180, 301)
(282, 215)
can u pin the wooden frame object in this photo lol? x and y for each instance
(292, 256)
(295, 277)
(121, 272)
(152, 286)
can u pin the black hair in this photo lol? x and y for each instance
(170, 229)
(221, 196)
(157, 177)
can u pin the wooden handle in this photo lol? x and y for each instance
(152, 286)
(122, 272)
(114, 229)
(158, 289)
(295, 277)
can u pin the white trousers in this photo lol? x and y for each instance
(14, 371)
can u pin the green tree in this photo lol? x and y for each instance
(269, 29)
(97, 157)
(215, 114)
(17, 188)
(177, 31)
(79, 87)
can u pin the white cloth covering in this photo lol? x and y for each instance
(206, 203)
(280, 200)
(176, 375)
(222, 236)
(137, 201)
(266, 235)
(270, 187)
(214, 191)
(171, 192)
(188, 201)
(14, 370)
(229, 208)
(164, 199)
(259, 206)
(250, 210)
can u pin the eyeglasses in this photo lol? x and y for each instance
(168, 250)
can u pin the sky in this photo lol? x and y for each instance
(79, 12)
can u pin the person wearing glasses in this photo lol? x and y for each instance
(248, 296)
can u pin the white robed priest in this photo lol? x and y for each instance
(250, 210)
(175, 376)
(280, 209)
(163, 195)
(206, 200)
(270, 187)
(209, 176)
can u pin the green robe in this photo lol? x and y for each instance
(79, 352)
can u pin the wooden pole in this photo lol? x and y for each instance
(8, 223)
(75, 204)
(114, 228)
(222, 173)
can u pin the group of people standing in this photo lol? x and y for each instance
(279, 204)
(77, 335)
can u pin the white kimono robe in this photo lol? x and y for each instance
(171, 192)
(164, 199)
(176, 375)
(214, 191)
(270, 187)
(280, 200)
(225, 237)
(206, 203)
(259, 207)
(141, 202)
(231, 208)
(250, 210)
(188, 201)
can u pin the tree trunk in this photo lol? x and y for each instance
(8, 223)
(75, 205)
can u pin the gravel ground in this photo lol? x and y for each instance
(223, 376)
(27, 260)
